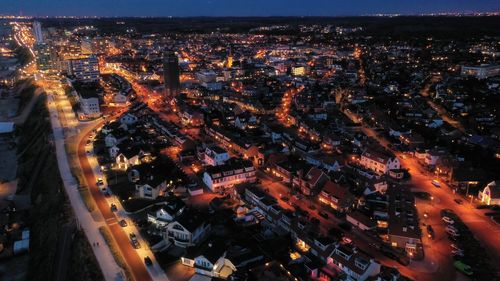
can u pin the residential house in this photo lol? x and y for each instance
(234, 171)
(355, 264)
(215, 156)
(190, 229)
(311, 182)
(149, 178)
(162, 215)
(337, 197)
(360, 220)
(127, 156)
(380, 163)
(490, 195)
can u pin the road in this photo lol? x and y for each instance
(481, 226)
(277, 189)
(110, 269)
(134, 262)
(442, 112)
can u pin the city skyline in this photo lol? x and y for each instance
(188, 8)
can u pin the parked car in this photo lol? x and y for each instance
(133, 239)
(464, 268)
(113, 208)
(123, 223)
(323, 214)
(448, 220)
(99, 182)
(148, 261)
(458, 253)
(436, 183)
(452, 231)
(430, 232)
(455, 246)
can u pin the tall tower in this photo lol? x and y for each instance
(171, 74)
(230, 58)
(37, 30)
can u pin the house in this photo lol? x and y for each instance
(217, 258)
(337, 197)
(466, 176)
(215, 156)
(490, 195)
(149, 178)
(245, 121)
(324, 161)
(209, 259)
(89, 104)
(311, 182)
(111, 141)
(403, 229)
(127, 156)
(190, 229)
(162, 215)
(378, 162)
(128, 119)
(234, 171)
(360, 220)
(289, 168)
(356, 265)
(191, 117)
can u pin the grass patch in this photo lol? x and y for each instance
(87, 199)
(76, 171)
(38, 174)
(82, 254)
(115, 251)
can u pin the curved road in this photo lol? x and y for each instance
(134, 262)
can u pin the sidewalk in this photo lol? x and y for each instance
(155, 271)
(110, 269)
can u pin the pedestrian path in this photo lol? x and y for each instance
(110, 269)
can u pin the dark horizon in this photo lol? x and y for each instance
(228, 8)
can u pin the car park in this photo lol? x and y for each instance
(448, 220)
(452, 231)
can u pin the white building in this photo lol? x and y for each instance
(215, 156)
(356, 265)
(190, 229)
(89, 104)
(378, 162)
(37, 30)
(85, 69)
(229, 174)
(490, 195)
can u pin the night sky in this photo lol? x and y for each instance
(184, 8)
